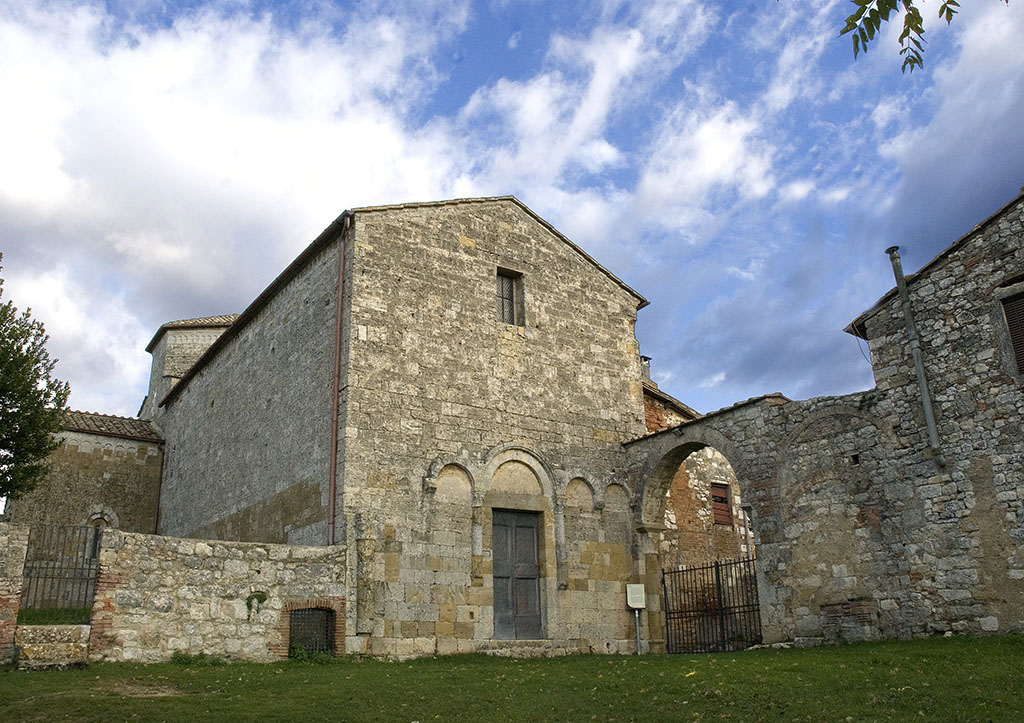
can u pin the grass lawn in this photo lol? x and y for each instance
(939, 679)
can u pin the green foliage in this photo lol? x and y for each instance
(54, 616)
(32, 400)
(937, 679)
(257, 599)
(870, 14)
(298, 652)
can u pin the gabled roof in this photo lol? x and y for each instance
(204, 322)
(526, 209)
(684, 409)
(858, 327)
(771, 398)
(339, 225)
(108, 425)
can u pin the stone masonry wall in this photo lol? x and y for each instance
(971, 564)
(159, 595)
(436, 382)
(249, 435)
(178, 349)
(13, 543)
(93, 475)
(860, 532)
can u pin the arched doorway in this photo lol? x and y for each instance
(703, 543)
(704, 517)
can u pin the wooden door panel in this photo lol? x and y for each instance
(516, 571)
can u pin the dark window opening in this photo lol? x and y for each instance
(310, 631)
(1013, 308)
(720, 504)
(510, 297)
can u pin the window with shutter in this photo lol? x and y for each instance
(720, 504)
(1013, 308)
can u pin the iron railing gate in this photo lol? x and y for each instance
(59, 575)
(713, 608)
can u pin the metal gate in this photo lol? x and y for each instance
(310, 631)
(711, 609)
(59, 578)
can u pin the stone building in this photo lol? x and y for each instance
(451, 396)
(867, 524)
(442, 388)
(105, 473)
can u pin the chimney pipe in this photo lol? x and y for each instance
(645, 367)
(915, 352)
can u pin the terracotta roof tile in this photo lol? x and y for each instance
(222, 320)
(109, 425)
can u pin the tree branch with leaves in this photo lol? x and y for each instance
(870, 14)
(32, 400)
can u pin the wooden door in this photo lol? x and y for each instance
(515, 537)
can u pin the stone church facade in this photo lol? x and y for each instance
(451, 397)
(383, 395)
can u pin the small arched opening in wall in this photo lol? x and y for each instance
(101, 517)
(704, 517)
(699, 553)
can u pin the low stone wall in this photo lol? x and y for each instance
(52, 646)
(159, 595)
(13, 543)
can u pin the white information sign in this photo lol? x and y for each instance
(636, 597)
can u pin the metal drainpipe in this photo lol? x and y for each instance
(332, 472)
(915, 352)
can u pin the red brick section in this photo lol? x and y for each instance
(657, 415)
(103, 609)
(337, 604)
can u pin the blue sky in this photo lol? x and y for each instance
(730, 161)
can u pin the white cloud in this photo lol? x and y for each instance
(712, 381)
(797, 190)
(698, 155)
(94, 335)
(157, 158)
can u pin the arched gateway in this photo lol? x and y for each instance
(807, 475)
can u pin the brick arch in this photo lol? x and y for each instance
(278, 641)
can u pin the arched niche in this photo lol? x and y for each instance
(516, 478)
(582, 529)
(579, 495)
(616, 518)
(453, 486)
